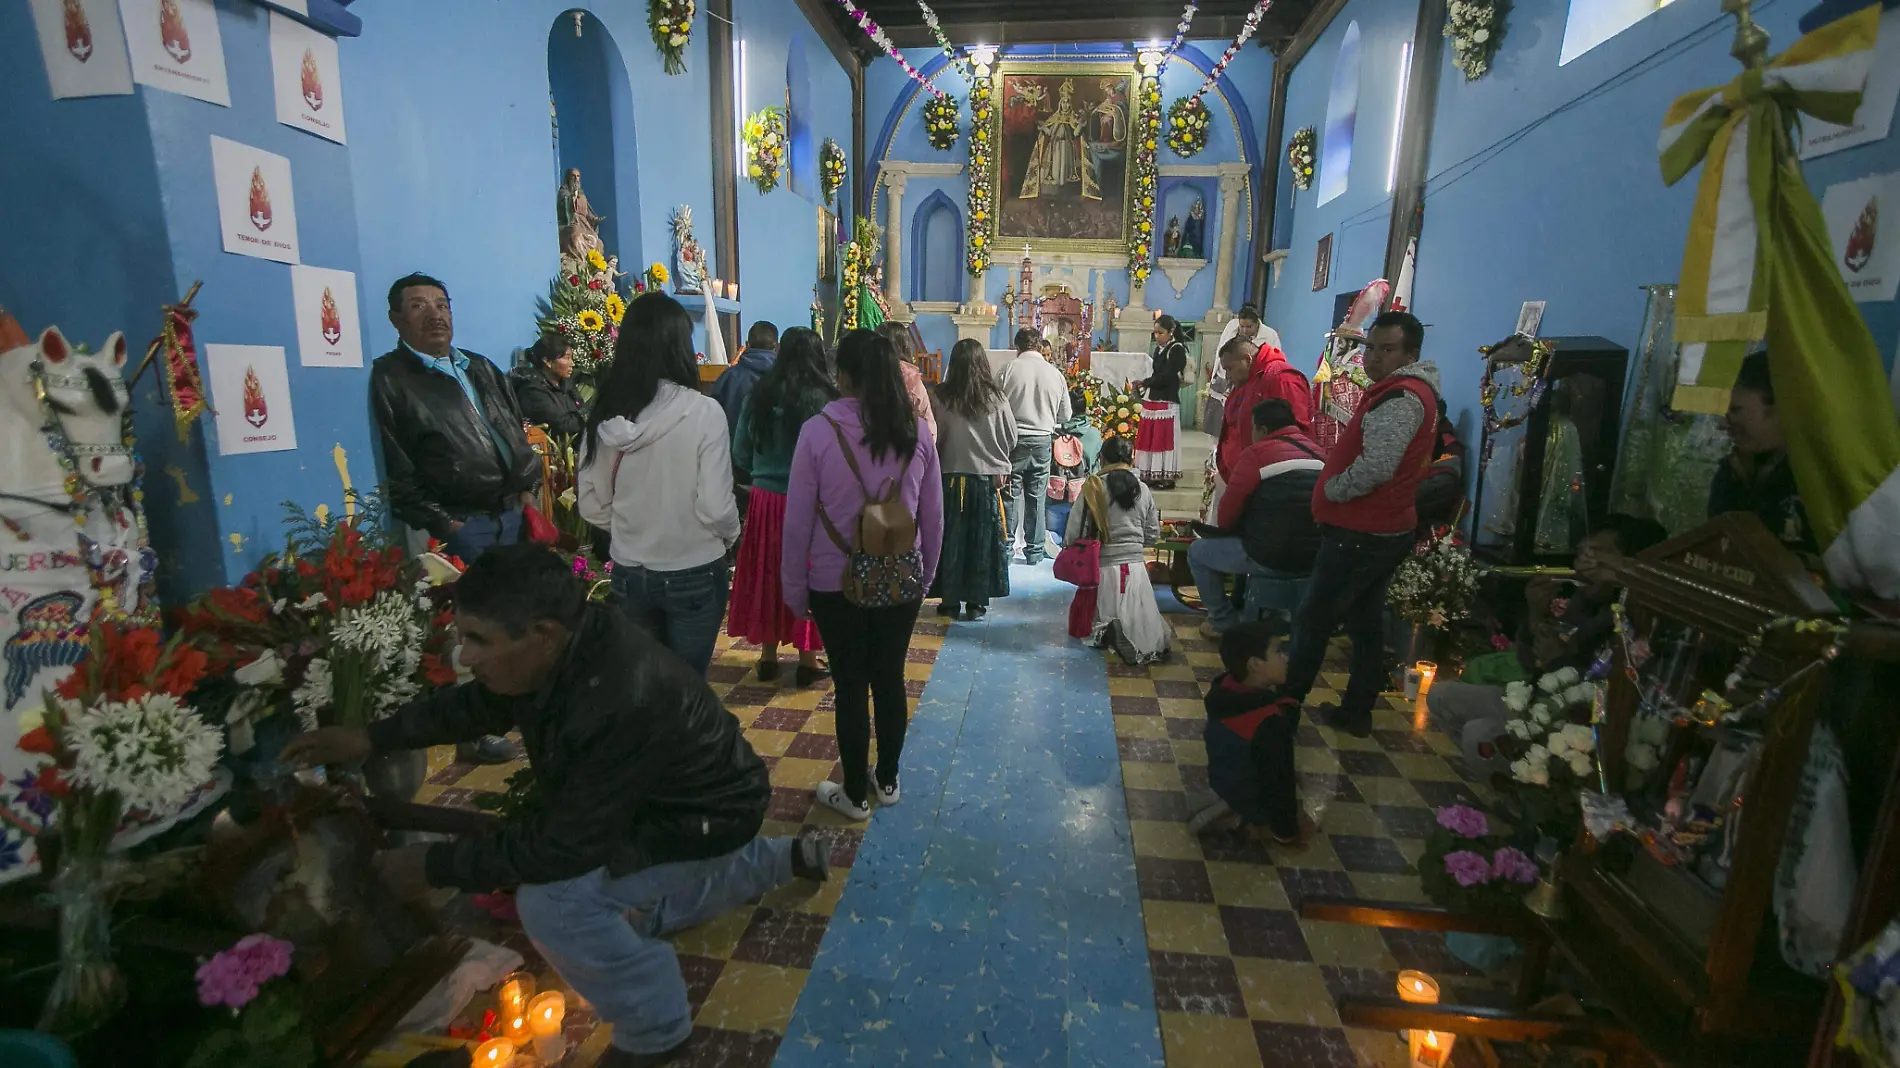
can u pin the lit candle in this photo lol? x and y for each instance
(1432, 1049)
(495, 1053)
(512, 996)
(732, 290)
(515, 1028)
(1418, 683)
(546, 1014)
(1418, 988)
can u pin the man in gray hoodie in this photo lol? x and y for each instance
(1039, 397)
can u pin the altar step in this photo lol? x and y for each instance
(1184, 500)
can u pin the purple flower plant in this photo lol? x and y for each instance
(1468, 868)
(1512, 864)
(1464, 821)
(232, 977)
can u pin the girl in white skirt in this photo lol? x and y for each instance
(1120, 512)
(1158, 442)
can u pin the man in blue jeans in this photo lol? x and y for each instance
(1265, 522)
(1039, 398)
(456, 461)
(651, 804)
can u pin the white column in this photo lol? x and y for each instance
(894, 181)
(1232, 179)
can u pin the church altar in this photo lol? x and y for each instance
(1115, 368)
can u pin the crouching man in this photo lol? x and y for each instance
(653, 798)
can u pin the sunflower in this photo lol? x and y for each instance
(595, 260)
(590, 320)
(615, 307)
(658, 271)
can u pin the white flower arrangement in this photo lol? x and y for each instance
(940, 121)
(154, 752)
(1545, 727)
(671, 24)
(1187, 126)
(381, 644)
(1435, 586)
(1299, 157)
(765, 147)
(1475, 28)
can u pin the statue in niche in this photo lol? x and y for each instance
(580, 227)
(1171, 241)
(1194, 235)
(689, 258)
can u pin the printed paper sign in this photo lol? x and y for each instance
(1863, 225)
(255, 207)
(309, 80)
(1530, 317)
(328, 331)
(250, 388)
(1875, 116)
(175, 46)
(84, 47)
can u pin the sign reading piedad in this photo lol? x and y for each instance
(328, 332)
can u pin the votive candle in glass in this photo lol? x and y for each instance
(1431, 1049)
(547, 1015)
(495, 1053)
(515, 1028)
(1417, 987)
(511, 997)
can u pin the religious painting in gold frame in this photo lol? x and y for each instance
(827, 244)
(1064, 137)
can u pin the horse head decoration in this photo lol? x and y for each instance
(68, 410)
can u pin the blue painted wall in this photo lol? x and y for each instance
(594, 108)
(451, 169)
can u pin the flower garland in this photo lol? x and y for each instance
(671, 23)
(1147, 134)
(940, 122)
(848, 285)
(831, 169)
(957, 59)
(1436, 585)
(883, 41)
(765, 147)
(1299, 156)
(1247, 30)
(583, 311)
(1475, 27)
(1180, 35)
(981, 188)
(1187, 126)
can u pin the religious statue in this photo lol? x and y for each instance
(874, 281)
(1058, 158)
(580, 227)
(1194, 235)
(1171, 241)
(689, 259)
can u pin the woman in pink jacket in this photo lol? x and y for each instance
(888, 445)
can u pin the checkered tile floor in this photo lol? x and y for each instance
(1239, 978)
(744, 970)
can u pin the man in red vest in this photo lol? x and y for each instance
(1256, 373)
(1365, 504)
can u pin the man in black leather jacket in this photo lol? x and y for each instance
(651, 797)
(455, 459)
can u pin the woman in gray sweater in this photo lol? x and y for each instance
(976, 432)
(1119, 511)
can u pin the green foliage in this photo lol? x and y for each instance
(270, 1032)
(522, 798)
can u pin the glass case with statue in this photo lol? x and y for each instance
(1552, 409)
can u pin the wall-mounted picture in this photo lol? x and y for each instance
(1064, 134)
(1323, 263)
(827, 244)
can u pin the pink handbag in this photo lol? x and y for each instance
(1080, 561)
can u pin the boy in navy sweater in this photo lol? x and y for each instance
(1250, 729)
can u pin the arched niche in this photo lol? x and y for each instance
(594, 126)
(936, 250)
(1342, 113)
(801, 153)
(1177, 200)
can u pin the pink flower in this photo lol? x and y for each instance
(1500, 643)
(1464, 821)
(231, 978)
(1512, 864)
(1468, 868)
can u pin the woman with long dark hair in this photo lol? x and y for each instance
(656, 474)
(976, 432)
(1158, 442)
(1118, 511)
(544, 388)
(797, 386)
(898, 334)
(864, 466)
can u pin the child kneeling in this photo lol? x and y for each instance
(1250, 736)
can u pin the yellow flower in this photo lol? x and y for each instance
(753, 171)
(1121, 428)
(615, 307)
(590, 320)
(1121, 413)
(595, 260)
(658, 271)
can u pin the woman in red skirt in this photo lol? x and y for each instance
(1157, 442)
(797, 387)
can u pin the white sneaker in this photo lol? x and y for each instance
(886, 795)
(832, 795)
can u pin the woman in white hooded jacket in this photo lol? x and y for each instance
(657, 475)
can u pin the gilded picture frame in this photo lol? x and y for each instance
(1065, 135)
(827, 244)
